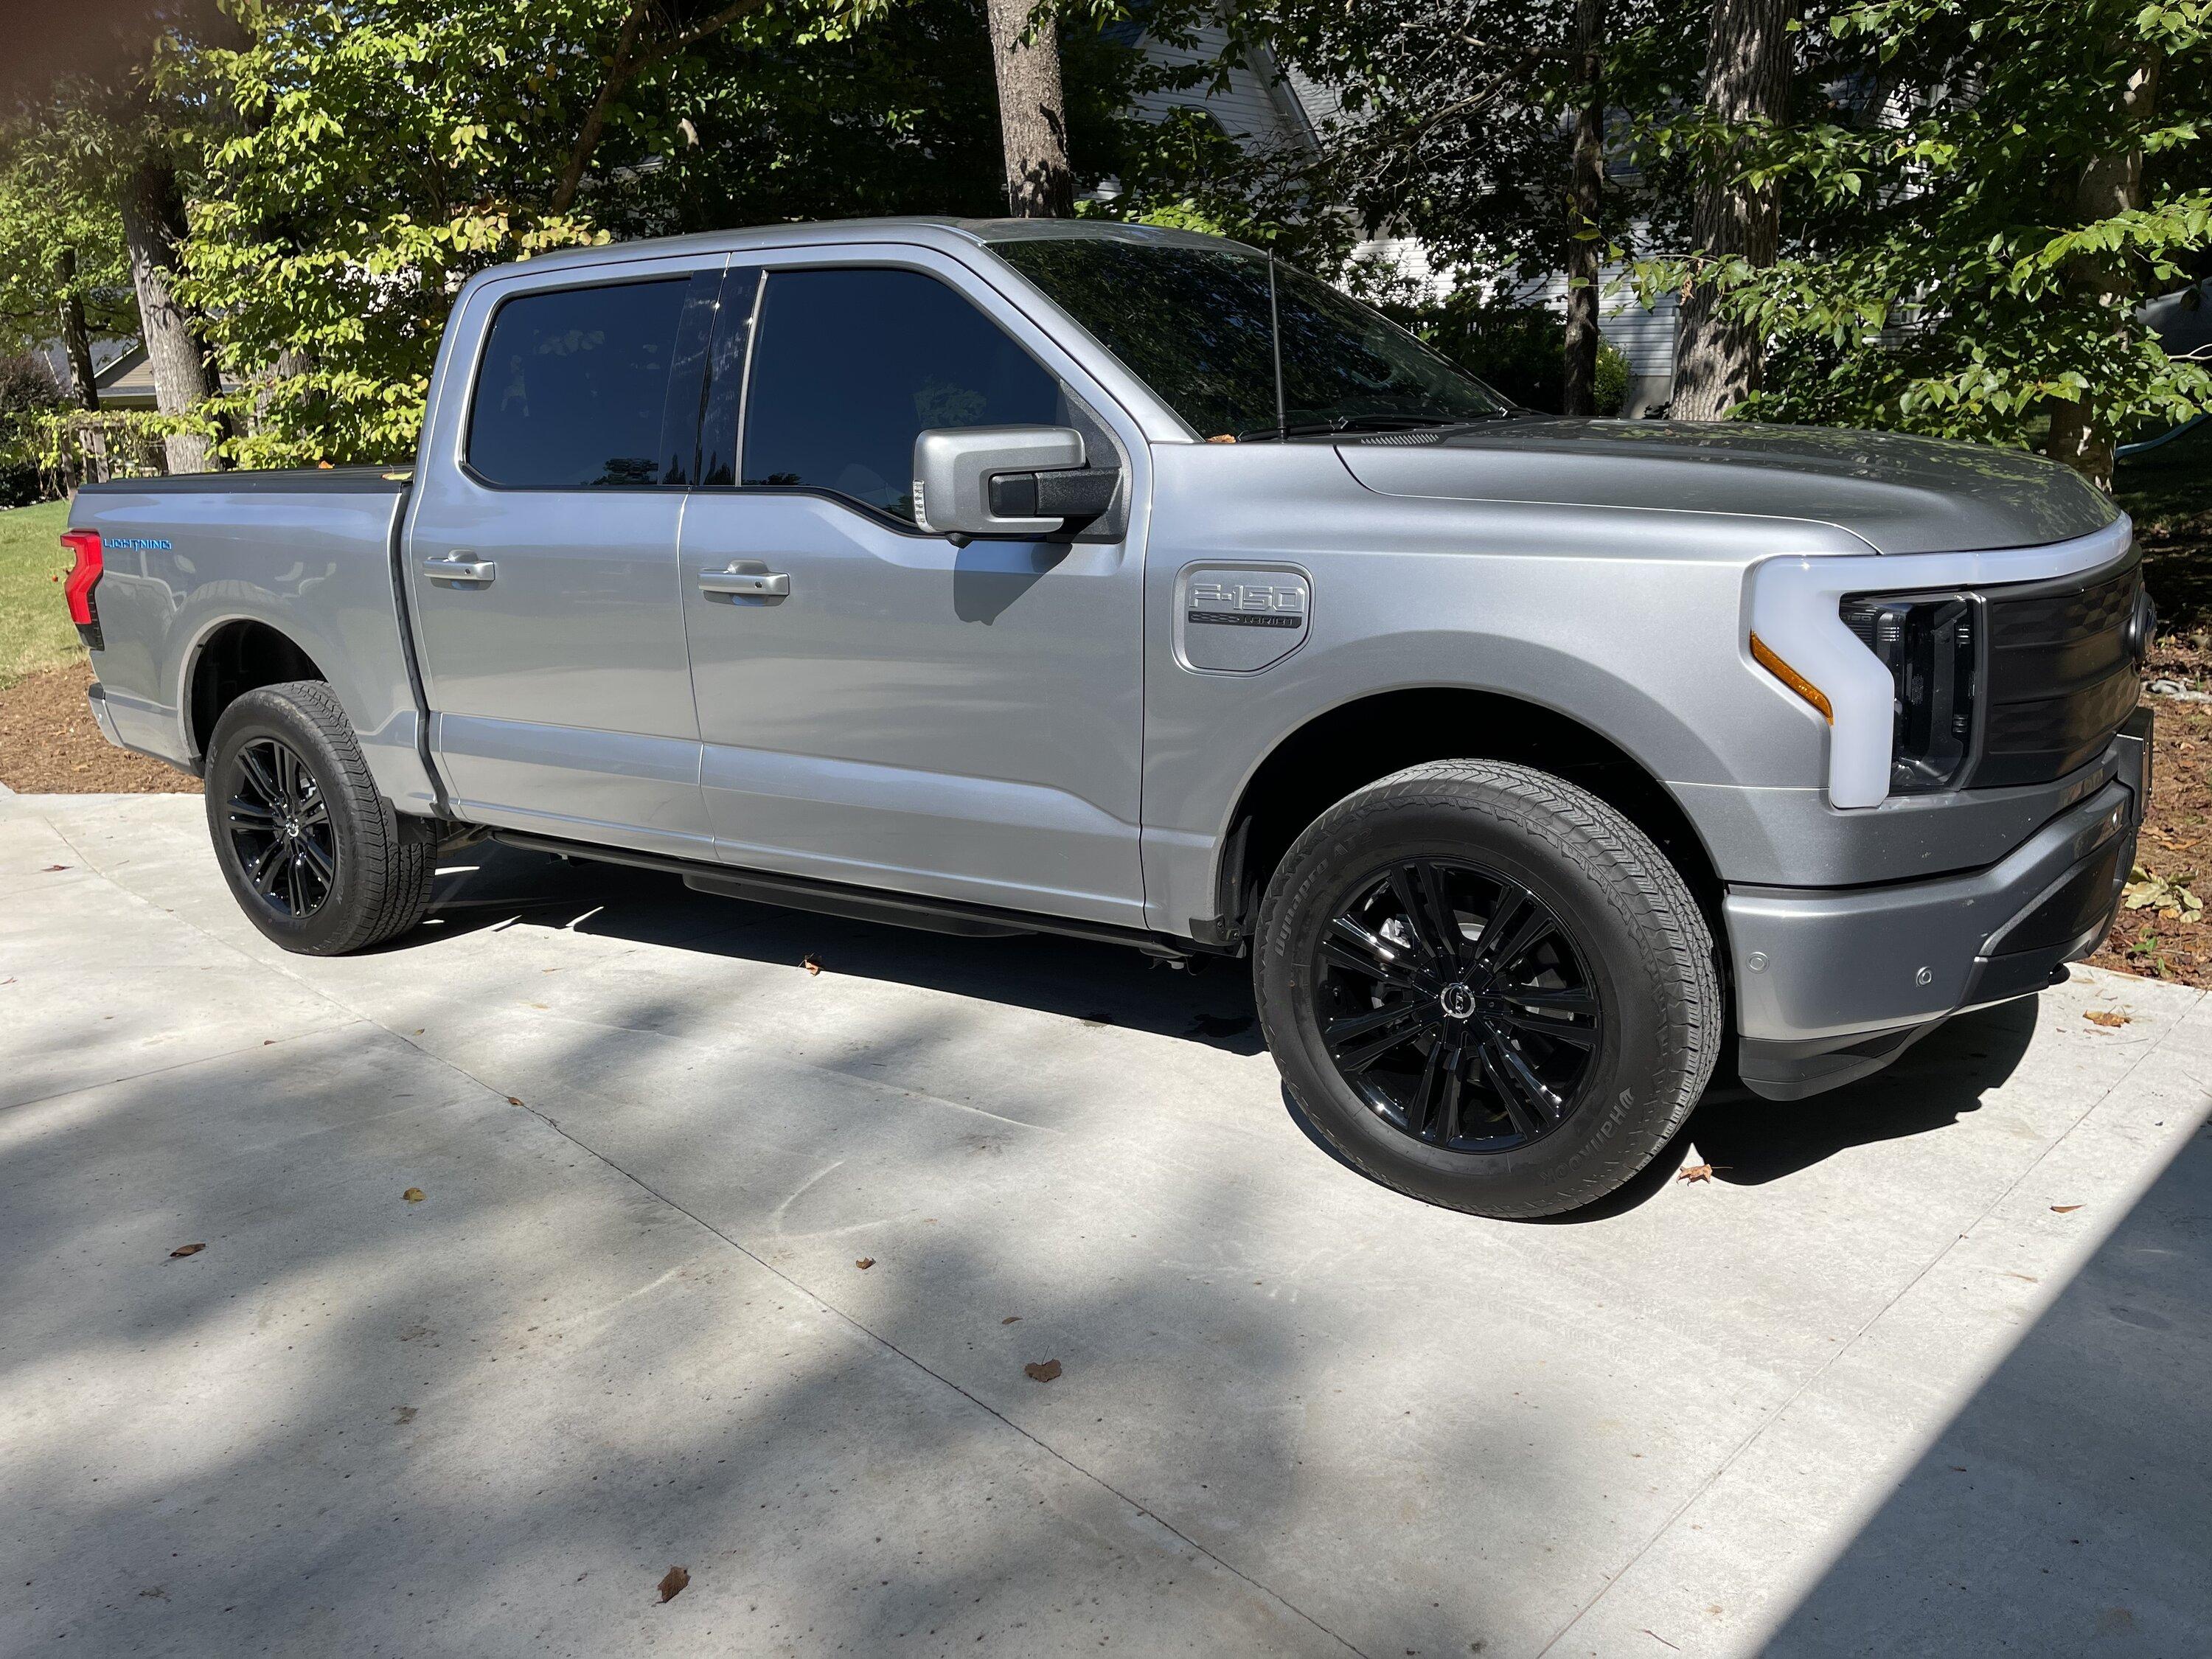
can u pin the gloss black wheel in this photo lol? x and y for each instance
(1487, 987)
(1454, 1003)
(280, 829)
(317, 859)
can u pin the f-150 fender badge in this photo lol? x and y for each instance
(1238, 619)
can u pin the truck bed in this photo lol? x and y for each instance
(196, 568)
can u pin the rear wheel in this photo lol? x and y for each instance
(312, 854)
(1487, 988)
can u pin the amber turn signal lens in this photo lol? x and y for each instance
(1763, 654)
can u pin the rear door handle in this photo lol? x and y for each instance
(775, 586)
(460, 567)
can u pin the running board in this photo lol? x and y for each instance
(934, 915)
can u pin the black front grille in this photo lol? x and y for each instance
(2060, 675)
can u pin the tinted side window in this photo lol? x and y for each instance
(574, 385)
(849, 366)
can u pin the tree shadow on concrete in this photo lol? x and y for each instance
(488, 886)
(490, 1421)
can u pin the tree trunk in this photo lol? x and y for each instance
(2109, 183)
(76, 338)
(153, 224)
(1717, 361)
(1585, 184)
(1032, 114)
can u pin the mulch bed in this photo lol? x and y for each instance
(49, 744)
(2176, 844)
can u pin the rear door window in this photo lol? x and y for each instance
(573, 389)
(849, 366)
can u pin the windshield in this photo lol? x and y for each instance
(1199, 326)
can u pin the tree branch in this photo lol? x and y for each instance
(626, 65)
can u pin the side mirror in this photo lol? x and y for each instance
(1006, 481)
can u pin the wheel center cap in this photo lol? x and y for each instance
(291, 829)
(1456, 1000)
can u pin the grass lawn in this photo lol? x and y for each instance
(34, 624)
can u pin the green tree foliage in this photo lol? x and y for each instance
(60, 237)
(1453, 118)
(364, 157)
(1981, 195)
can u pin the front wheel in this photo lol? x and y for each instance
(1487, 988)
(315, 857)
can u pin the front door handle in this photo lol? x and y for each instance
(460, 567)
(760, 583)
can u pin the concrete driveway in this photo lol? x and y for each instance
(1921, 1370)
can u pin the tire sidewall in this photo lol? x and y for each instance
(269, 713)
(1629, 1098)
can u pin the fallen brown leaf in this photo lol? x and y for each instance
(413, 1194)
(812, 963)
(2064, 1209)
(1697, 1171)
(1011, 1319)
(1043, 1373)
(514, 1100)
(51, 868)
(187, 1250)
(864, 1262)
(672, 1582)
(2109, 1017)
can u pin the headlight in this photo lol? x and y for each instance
(1931, 646)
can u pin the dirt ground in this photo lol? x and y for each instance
(50, 745)
(2164, 938)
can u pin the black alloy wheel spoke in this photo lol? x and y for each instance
(1427, 914)
(1367, 953)
(1473, 1036)
(317, 860)
(265, 869)
(281, 829)
(1434, 1115)
(1405, 1024)
(1518, 929)
(1532, 1108)
(263, 781)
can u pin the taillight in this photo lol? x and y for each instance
(84, 577)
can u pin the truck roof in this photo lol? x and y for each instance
(923, 228)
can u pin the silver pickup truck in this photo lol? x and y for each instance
(1125, 583)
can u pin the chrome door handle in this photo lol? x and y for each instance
(759, 582)
(460, 567)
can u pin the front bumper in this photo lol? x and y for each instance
(1834, 984)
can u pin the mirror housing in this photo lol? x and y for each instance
(1006, 481)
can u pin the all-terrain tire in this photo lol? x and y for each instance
(383, 862)
(1630, 916)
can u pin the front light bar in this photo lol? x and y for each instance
(1796, 604)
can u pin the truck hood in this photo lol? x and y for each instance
(1899, 494)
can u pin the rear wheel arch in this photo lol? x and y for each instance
(1356, 744)
(230, 659)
